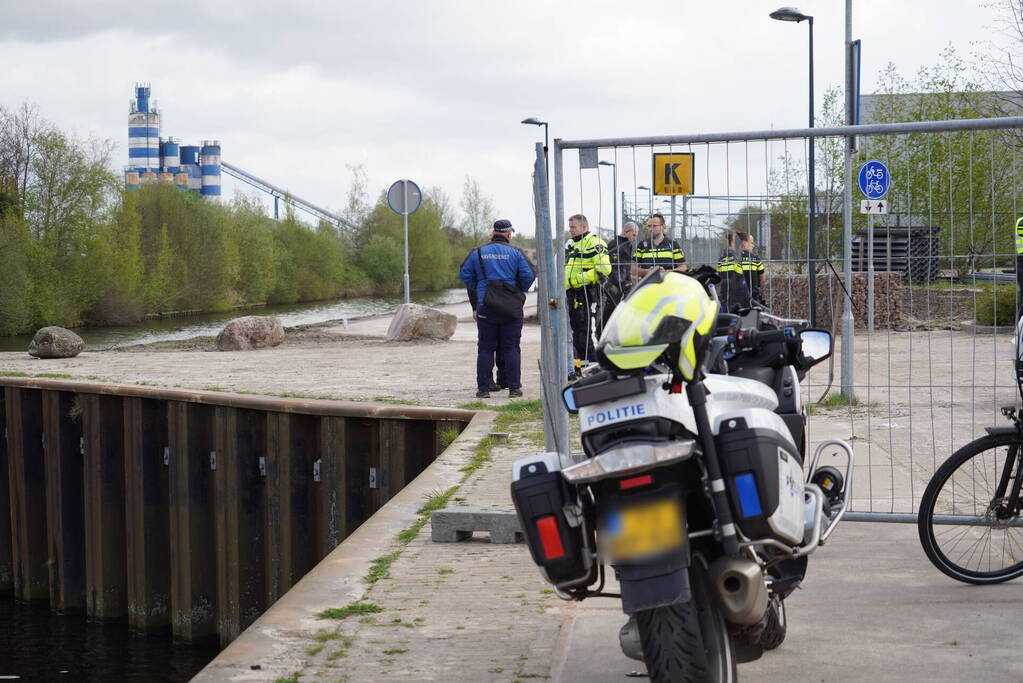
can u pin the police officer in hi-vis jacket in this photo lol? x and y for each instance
(586, 264)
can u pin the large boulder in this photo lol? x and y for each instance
(412, 321)
(55, 342)
(251, 332)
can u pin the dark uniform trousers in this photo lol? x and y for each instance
(580, 317)
(618, 283)
(498, 334)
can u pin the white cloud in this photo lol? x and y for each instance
(435, 90)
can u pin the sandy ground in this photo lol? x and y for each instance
(327, 360)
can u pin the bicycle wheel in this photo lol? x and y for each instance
(969, 520)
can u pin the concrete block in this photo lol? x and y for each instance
(458, 524)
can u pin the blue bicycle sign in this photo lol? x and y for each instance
(874, 179)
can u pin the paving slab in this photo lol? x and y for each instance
(872, 609)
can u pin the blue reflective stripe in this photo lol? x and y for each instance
(143, 153)
(143, 132)
(210, 189)
(211, 170)
(749, 499)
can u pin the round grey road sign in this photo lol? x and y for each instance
(404, 197)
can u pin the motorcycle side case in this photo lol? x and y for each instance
(764, 475)
(558, 547)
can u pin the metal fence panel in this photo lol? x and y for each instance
(940, 266)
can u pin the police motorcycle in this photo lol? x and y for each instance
(691, 487)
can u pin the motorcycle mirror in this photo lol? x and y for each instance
(815, 345)
(569, 398)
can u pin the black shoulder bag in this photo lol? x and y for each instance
(500, 297)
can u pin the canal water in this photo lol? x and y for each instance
(208, 324)
(36, 645)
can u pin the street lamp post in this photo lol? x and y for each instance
(792, 14)
(614, 191)
(533, 121)
(649, 198)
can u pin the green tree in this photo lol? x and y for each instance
(432, 257)
(253, 234)
(961, 183)
(382, 259)
(478, 207)
(117, 255)
(16, 247)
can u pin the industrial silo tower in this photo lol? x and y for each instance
(210, 162)
(143, 133)
(152, 158)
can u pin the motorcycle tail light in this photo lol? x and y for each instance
(629, 459)
(633, 482)
(547, 527)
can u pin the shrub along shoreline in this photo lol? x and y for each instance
(160, 251)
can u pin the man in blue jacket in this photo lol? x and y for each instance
(497, 260)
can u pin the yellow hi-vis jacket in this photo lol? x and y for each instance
(1019, 237)
(586, 261)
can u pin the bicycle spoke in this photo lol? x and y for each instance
(981, 485)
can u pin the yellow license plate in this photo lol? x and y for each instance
(643, 529)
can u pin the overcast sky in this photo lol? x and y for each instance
(434, 90)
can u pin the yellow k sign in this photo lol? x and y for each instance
(673, 173)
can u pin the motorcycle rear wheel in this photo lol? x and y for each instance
(688, 642)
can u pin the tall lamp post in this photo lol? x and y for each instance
(649, 199)
(792, 14)
(533, 121)
(614, 192)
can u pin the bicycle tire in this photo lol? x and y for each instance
(988, 550)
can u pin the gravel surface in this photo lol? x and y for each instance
(327, 360)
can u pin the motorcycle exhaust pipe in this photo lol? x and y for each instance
(740, 589)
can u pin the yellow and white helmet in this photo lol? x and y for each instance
(663, 309)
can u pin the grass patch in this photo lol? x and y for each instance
(445, 570)
(293, 678)
(434, 500)
(837, 401)
(517, 412)
(48, 375)
(299, 394)
(997, 306)
(314, 650)
(349, 610)
(480, 457)
(448, 436)
(326, 635)
(381, 567)
(832, 401)
(474, 405)
(396, 651)
(395, 401)
(337, 654)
